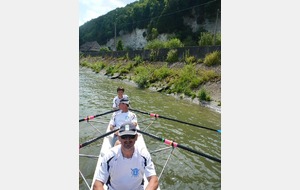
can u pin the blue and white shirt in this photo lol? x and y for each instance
(118, 172)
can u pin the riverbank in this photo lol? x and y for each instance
(213, 88)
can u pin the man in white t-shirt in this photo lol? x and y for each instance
(121, 116)
(124, 166)
(116, 100)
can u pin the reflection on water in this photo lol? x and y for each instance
(185, 170)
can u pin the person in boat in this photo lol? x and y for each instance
(121, 116)
(124, 166)
(120, 95)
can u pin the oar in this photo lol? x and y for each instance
(156, 115)
(174, 144)
(92, 117)
(94, 139)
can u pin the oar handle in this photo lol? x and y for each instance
(94, 116)
(87, 118)
(94, 139)
(174, 144)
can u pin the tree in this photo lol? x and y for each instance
(153, 35)
(120, 46)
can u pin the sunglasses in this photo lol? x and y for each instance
(128, 136)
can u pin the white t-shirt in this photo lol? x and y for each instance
(119, 117)
(125, 173)
(116, 101)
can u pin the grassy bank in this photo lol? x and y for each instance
(198, 80)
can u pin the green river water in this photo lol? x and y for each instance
(185, 170)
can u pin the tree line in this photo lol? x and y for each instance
(157, 16)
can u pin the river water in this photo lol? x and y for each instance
(184, 170)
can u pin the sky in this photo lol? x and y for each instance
(90, 9)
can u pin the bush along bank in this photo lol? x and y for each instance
(190, 78)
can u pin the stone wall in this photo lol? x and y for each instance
(161, 54)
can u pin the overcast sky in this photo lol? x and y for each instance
(90, 9)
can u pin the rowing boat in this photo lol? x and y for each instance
(140, 143)
(107, 144)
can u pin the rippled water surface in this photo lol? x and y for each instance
(185, 170)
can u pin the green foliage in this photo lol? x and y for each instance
(200, 60)
(189, 78)
(213, 58)
(206, 39)
(195, 82)
(111, 70)
(186, 55)
(118, 65)
(173, 43)
(104, 49)
(129, 66)
(189, 41)
(142, 74)
(208, 75)
(124, 70)
(137, 14)
(185, 81)
(203, 95)
(193, 96)
(155, 44)
(97, 67)
(84, 64)
(153, 34)
(218, 38)
(138, 59)
(120, 45)
(188, 92)
(185, 76)
(120, 68)
(190, 60)
(154, 55)
(172, 56)
(161, 73)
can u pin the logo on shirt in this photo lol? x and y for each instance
(135, 172)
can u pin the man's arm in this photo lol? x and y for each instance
(153, 183)
(111, 127)
(112, 123)
(98, 185)
(114, 105)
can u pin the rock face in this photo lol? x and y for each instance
(137, 38)
(134, 40)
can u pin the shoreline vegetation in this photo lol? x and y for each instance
(197, 81)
